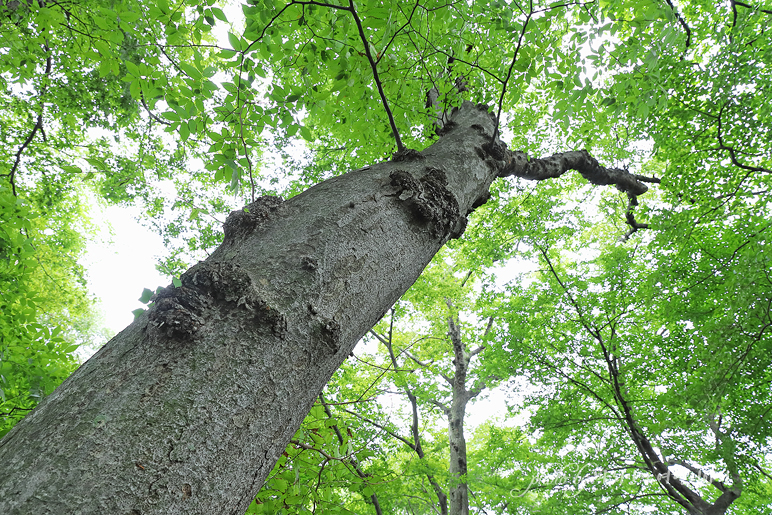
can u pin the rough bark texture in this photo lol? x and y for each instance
(187, 409)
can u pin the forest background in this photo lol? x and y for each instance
(629, 331)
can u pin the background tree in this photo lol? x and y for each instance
(645, 385)
(44, 307)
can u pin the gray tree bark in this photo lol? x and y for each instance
(188, 409)
(459, 491)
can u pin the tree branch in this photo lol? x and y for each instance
(732, 151)
(37, 127)
(509, 73)
(748, 6)
(374, 67)
(700, 474)
(630, 218)
(521, 165)
(153, 116)
(685, 27)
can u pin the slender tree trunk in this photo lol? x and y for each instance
(415, 445)
(459, 491)
(188, 409)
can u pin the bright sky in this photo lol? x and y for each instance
(121, 265)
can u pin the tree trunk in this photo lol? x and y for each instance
(459, 491)
(188, 409)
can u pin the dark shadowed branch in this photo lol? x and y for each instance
(509, 72)
(38, 127)
(376, 78)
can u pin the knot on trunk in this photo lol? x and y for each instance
(406, 154)
(430, 201)
(253, 217)
(211, 292)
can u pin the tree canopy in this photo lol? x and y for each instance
(627, 327)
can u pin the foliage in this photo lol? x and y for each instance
(44, 309)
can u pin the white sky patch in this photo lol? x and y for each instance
(121, 263)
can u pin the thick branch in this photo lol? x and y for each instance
(520, 165)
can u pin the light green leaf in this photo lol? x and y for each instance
(219, 14)
(305, 133)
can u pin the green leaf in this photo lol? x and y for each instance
(171, 115)
(97, 163)
(192, 71)
(128, 16)
(219, 14)
(135, 90)
(132, 68)
(184, 131)
(70, 348)
(235, 41)
(71, 168)
(147, 294)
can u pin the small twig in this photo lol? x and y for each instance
(150, 113)
(15, 408)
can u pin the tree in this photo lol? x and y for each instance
(649, 397)
(189, 408)
(464, 385)
(291, 290)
